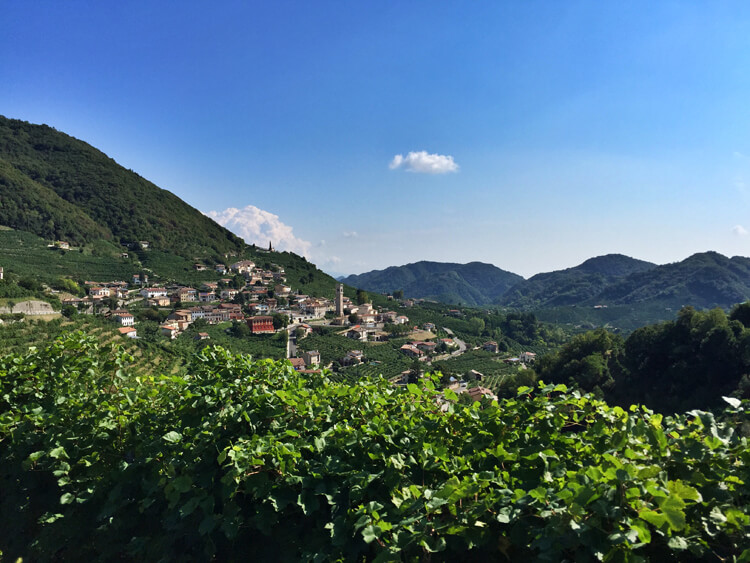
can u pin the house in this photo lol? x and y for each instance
(62, 245)
(305, 328)
(474, 374)
(122, 293)
(527, 357)
(100, 292)
(491, 346)
(1, 272)
(150, 292)
(123, 254)
(186, 294)
(297, 363)
(138, 281)
(428, 326)
(411, 351)
(261, 325)
(259, 308)
(207, 296)
(144, 244)
(401, 320)
(242, 267)
(426, 347)
(281, 289)
(161, 301)
(356, 333)
(233, 310)
(199, 267)
(476, 393)
(311, 357)
(202, 336)
(352, 358)
(181, 316)
(128, 331)
(388, 316)
(123, 317)
(228, 294)
(170, 331)
(220, 268)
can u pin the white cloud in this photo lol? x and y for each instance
(260, 227)
(350, 234)
(739, 230)
(424, 163)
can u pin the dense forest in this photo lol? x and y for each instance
(674, 366)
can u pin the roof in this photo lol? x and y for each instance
(126, 330)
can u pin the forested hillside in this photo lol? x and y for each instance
(468, 284)
(675, 366)
(572, 286)
(58, 187)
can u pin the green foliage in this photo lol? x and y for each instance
(671, 367)
(241, 457)
(60, 187)
(28, 256)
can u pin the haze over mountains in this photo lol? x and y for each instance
(703, 280)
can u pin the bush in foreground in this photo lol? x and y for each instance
(247, 457)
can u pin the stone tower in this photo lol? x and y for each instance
(340, 300)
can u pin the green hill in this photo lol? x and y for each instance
(469, 284)
(705, 280)
(58, 187)
(633, 288)
(573, 286)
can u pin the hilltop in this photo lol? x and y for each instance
(703, 280)
(573, 286)
(469, 284)
(60, 188)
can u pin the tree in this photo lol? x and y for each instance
(69, 311)
(398, 294)
(280, 321)
(362, 297)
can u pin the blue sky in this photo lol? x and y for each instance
(553, 131)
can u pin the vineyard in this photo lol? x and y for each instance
(233, 457)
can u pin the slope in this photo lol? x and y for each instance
(704, 280)
(470, 284)
(573, 286)
(50, 166)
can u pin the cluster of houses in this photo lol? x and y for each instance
(215, 302)
(264, 293)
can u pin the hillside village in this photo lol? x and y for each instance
(257, 297)
(261, 299)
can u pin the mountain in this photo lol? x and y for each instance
(573, 286)
(703, 280)
(60, 188)
(470, 284)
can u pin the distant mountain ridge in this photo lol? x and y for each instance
(469, 284)
(703, 280)
(573, 286)
(61, 188)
